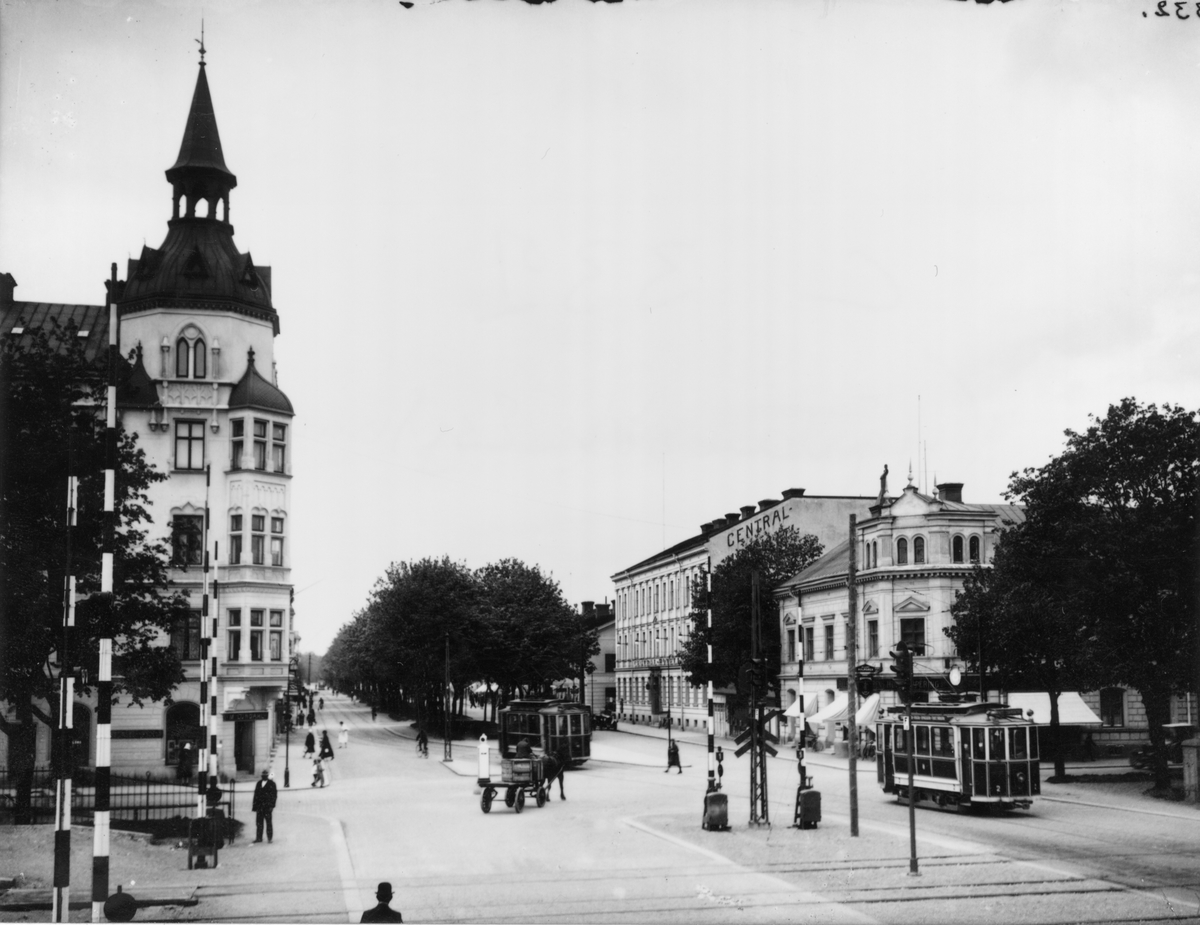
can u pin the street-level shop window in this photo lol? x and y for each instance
(1112, 706)
(189, 445)
(235, 635)
(958, 549)
(260, 444)
(973, 548)
(919, 550)
(235, 539)
(809, 648)
(872, 639)
(828, 642)
(912, 633)
(185, 637)
(187, 540)
(278, 446)
(258, 539)
(237, 434)
(902, 551)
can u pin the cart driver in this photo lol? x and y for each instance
(523, 749)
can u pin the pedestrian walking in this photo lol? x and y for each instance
(374, 712)
(263, 804)
(326, 746)
(310, 744)
(1089, 748)
(673, 757)
(320, 703)
(312, 717)
(183, 770)
(320, 772)
(343, 736)
(383, 912)
(422, 743)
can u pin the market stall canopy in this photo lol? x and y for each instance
(867, 712)
(836, 712)
(794, 710)
(1072, 711)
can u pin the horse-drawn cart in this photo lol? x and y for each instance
(518, 776)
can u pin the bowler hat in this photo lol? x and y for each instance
(384, 892)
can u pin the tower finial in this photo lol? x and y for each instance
(200, 41)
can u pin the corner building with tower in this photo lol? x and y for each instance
(197, 317)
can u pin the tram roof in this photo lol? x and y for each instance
(965, 711)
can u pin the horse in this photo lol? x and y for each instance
(554, 766)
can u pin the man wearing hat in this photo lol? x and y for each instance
(263, 804)
(383, 912)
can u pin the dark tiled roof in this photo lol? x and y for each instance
(666, 554)
(90, 322)
(201, 147)
(834, 562)
(253, 391)
(199, 262)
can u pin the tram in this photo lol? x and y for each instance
(547, 724)
(965, 754)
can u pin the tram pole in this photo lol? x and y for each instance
(448, 749)
(851, 678)
(909, 735)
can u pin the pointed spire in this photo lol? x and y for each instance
(201, 147)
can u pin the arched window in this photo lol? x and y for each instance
(199, 361)
(874, 555)
(973, 547)
(958, 549)
(919, 550)
(902, 551)
(182, 353)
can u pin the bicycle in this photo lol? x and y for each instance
(867, 752)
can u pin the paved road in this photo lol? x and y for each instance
(626, 846)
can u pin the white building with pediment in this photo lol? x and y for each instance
(913, 554)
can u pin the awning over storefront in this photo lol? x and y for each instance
(867, 712)
(836, 712)
(810, 707)
(242, 709)
(1072, 711)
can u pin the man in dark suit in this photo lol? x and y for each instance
(263, 804)
(383, 912)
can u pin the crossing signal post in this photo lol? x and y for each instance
(902, 667)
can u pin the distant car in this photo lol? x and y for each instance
(1176, 734)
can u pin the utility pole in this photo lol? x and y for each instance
(757, 738)
(447, 750)
(851, 676)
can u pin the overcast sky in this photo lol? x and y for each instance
(563, 282)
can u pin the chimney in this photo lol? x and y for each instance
(789, 493)
(950, 491)
(748, 511)
(7, 285)
(731, 519)
(706, 529)
(588, 609)
(769, 502)
(602, 613)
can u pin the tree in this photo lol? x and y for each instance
(50, 394)
(1025, 618)
(776, 557)
(1123, 495)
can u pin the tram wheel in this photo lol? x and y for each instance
(510, 797)
(520, 804)
(485, 801)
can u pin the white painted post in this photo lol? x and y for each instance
(485, 764)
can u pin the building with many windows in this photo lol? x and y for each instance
(196, 315)
(653, 609)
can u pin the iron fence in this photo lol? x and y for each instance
(131, 799)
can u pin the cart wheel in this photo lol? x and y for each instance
(510, 796)
(520, 804)
(541, 797)
(485, 801)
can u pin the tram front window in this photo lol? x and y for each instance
(997, 744)
(576, 727)
(1016, 744)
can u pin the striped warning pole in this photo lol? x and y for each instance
(206, 744)
(61, 901)
(104, 686)
(208, 632)
(712, 761)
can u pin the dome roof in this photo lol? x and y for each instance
(253, 391)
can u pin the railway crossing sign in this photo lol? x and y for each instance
(765, 736)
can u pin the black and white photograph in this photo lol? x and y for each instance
(777, 419)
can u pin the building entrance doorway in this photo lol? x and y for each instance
(243, 745)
